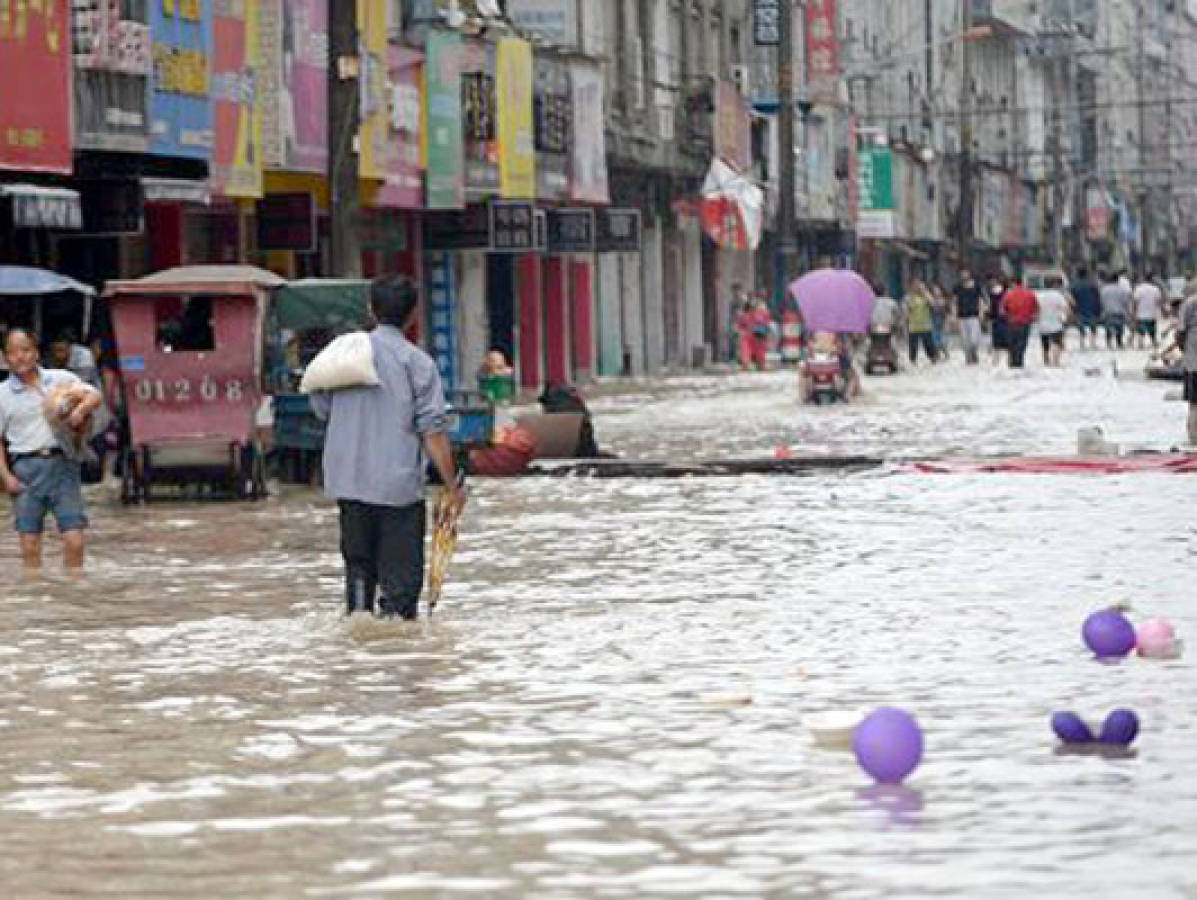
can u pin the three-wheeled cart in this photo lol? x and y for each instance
(191, 347)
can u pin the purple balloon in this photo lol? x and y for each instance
(1108, 633)
(1071, 729)
(1121, 728)
(888, 744)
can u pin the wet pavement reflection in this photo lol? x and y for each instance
(196, 719)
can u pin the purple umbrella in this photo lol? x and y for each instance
(834, 300)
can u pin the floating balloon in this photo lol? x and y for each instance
(1121, 727)
(1108, 633)
(1156, 638)
(888, 744)
(1071, 728)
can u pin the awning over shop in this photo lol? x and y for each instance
(176, 190)
(23, 281)
(34, 206)
(322, 303)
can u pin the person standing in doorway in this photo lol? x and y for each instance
(1054, 312)
(968, 312)
(1186, 340)
(1021, 310)
(374, 459)
(1115, 307)
(1149, 307)
(920, 323)
(1087, 300)
(36, 470)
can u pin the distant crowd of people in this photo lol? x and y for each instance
(1006, 310)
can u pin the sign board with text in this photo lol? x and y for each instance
(571, 230)
(766, 23)
(618, 230)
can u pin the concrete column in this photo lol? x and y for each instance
(654, 304)
(529, 286)
(582, 293)
(632, 290)
(556, 335)
(692, 315)
(609, 305)
(472, 315)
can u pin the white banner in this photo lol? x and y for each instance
(588, 169)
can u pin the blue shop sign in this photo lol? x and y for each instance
(180, 96)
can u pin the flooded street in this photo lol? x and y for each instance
(196, 719)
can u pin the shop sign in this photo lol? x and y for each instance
(571, 230)
(287, 222)
(35, 125)
(403, 186)
(458, 229)
(876, 217)
(56, 209)
(517, 154)
(236, 99)
(180, 98)
(553, 126)
(554, 20)
(480, 118)
(766, 23)
(516, 228)
(618, 230)
(293, 38)
(444, 179)
(822, 49)
(372, 84)
(442, 336)
(588, 165)
(733, 128)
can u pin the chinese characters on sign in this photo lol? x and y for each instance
(35, 125)
(822, 49)
(571, 230)
(515, 228)
(618, 230)
(180, 106)
(766, 23)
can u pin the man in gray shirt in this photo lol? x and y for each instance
(374, 459)
(1115, 308)
(1186, 339)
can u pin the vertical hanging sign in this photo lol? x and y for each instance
(822, 49)
(180, 102)
(372, 50)
(442, 338)
(588, 165)
(445, 178)
(35, 125)
(517, 155)
(236, 107)
(294, 47)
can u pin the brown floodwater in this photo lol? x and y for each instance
(195, 718)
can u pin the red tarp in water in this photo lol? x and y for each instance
(1065, 465)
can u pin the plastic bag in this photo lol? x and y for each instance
(347, 362)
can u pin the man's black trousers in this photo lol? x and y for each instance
(383, 547)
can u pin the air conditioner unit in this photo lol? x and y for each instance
(742, 77)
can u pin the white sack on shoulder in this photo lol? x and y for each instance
(347, 362)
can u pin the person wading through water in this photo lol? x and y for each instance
(40, 473)
(374, 460)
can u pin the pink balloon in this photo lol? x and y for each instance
(1156, 638)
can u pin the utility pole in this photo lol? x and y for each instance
(1144, 195)
(965, 225)
(1057, 239)
(785, 245)
(344, 116)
